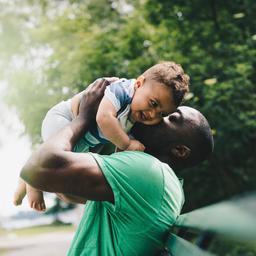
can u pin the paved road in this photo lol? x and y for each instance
(53, 244)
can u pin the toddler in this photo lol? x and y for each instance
(147, 99)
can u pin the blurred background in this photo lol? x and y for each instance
(50, 50)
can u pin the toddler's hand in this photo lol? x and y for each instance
(136, 146)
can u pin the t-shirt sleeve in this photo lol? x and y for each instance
(118, 93)
(137, 182)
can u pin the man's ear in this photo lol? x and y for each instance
(181, 151)
(139, 81)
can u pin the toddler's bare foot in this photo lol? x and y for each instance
(36, 199)
(19, 193)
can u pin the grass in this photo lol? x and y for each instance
(33, 231)
(3, 250)
(37, 230)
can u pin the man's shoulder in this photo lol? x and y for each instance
(134, 163)
(137, 156)
(146, 168)
(134, 172)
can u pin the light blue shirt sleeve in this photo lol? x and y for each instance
(120, 93)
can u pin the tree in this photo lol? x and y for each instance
(213, 40)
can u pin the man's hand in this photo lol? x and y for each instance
(92, 97)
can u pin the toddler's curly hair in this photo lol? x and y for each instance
(172, 75)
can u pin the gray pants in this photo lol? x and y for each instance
(56, 118)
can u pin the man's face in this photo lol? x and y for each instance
(151, 102)
(182, 139)
(173, 130)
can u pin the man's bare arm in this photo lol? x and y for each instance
(54, 168)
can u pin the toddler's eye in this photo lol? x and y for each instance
(153, 103)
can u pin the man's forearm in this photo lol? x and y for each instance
(50, 155)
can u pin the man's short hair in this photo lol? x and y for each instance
(172, 75)
(201, 142)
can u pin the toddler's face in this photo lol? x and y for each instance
(151, 102)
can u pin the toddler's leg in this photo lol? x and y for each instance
(35, 198)
(56, 118)
(20, 192)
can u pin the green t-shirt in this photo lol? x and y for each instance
(148, 199)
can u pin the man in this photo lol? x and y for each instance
(134, 198)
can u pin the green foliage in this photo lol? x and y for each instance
(213, 40)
